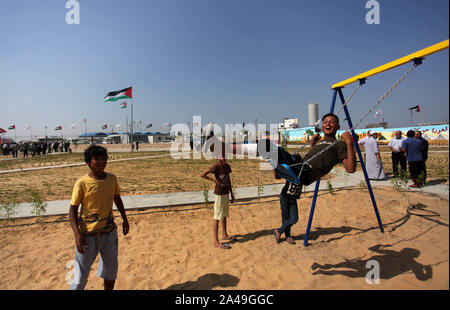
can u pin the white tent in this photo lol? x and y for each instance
(440, 137)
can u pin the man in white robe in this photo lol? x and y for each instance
(374, 165)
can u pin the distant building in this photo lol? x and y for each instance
(288, 123)
(313, 113)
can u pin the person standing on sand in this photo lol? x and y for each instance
(288, 202)
(413, 148)
(374, 165)
(222, 190)
(397, 155)
(418, 135)
(94, 229)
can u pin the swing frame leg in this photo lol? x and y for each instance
(361, 160)
(363, 166)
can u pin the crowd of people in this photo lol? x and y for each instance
(33, 148)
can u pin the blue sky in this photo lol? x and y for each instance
(228, 61)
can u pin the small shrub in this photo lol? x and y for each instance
(260, 189)
(205, 195)
(421, 179)
(8, 208)
(400, 184)
(330, 187)
(38, 207)
(362, 185)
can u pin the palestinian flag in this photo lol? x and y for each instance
(149, 125)
(105, 126)
(58, 128)
(417, 108)
(123, 105)
(2, 130)
(120, 94)
(12, 127)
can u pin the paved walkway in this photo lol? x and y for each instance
(342, 180)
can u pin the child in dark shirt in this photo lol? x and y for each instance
(222, 191)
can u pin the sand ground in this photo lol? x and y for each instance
(173, 248)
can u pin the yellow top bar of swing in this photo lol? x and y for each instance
(401, 61)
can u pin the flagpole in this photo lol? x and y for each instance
(132, 129)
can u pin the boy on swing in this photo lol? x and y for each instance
(294, 168)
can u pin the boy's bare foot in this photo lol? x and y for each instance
(224, 246)
(290, 240)
(277, 236)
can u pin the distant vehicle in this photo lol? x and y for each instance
(166, 141)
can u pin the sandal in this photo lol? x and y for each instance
(223, 246)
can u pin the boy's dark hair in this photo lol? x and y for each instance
(330, 114)
(94, 150)
(410, 133)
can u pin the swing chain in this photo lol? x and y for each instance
(307, 161)
(385, 95)
(348, 99)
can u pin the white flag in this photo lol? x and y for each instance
(378, 113)
(118, 125)
(73, 126)
(27, 127)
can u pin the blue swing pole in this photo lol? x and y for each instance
(316, 190)
(363, 166)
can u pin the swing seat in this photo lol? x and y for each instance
(283, 167)
(287, 173)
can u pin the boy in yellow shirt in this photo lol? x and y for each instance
(94, 229)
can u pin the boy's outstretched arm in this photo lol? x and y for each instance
(80, 242)
(350, 161)
(119, 204)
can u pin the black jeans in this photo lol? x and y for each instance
(396, 159)
(289, 215)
